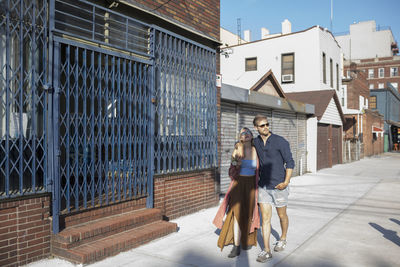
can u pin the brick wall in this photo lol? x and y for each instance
(180, 194)
(372, 146)
(386, 63)
(357, 86)
(24, 230)
(202, 15)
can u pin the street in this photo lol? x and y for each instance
(348, 215)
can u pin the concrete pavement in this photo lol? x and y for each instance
(348, 215)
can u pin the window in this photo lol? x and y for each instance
(288, 68)
(331, 72)
(324, 67)
(371, 86)
(372, 102)
(395, 85)
(394, 71)
(251, 64)
(371, 73)
(381, 72)
(381, 85)
(337, 77)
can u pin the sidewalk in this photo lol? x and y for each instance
(348, 215)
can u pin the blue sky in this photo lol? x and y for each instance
(255, 14)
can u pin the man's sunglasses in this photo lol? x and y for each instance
(263, 125)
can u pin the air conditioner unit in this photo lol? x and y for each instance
(287, 78)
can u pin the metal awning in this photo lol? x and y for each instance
(393, 123)
(377, 129)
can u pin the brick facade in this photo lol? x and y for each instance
(24, 230)
(181, 194)
(357, 86)
(375, 64)
(369, 144)
(373, 144)
(201, 15)
(365, 144)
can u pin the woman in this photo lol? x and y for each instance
(242, 218)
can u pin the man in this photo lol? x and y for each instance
(276, 166)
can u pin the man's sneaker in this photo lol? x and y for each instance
(264, 256)
(280, 245)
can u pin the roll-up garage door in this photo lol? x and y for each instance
(284, 123)
(322, 146)
(228, 137)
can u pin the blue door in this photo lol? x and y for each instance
(102, 115)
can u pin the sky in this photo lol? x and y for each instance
(303, 14)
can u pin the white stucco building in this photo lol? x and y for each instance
(304, 61)
(365, 40)
(304, 52)
(228, 38)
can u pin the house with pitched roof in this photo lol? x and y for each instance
(287, 118)
(330, 119)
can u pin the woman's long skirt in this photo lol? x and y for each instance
(241, 206)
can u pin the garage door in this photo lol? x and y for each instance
(285, 124)
(336, 151)
(322, 146)
(228, 137)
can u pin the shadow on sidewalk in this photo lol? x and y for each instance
(395, 220)
(194, 258)
(388, 234)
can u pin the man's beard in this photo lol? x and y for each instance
(266, 134)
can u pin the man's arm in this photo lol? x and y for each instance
(288, 175)
(288, 160)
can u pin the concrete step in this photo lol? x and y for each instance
(99, 249)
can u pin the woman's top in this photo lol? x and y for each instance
(248, 167)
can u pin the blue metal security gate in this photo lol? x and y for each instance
(103, 139)
(186, 106)
(23, 100)
(102, 135)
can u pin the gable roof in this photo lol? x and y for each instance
(269, 76)
(320, 99)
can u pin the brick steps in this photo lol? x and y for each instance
(105, 237)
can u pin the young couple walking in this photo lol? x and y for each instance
(260, 170)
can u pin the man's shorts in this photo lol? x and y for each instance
(276, 197)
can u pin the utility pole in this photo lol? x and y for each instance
(239, 30)
(331, 15)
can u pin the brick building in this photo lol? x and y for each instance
(106, 108)
(379, 71)
(363, 129)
